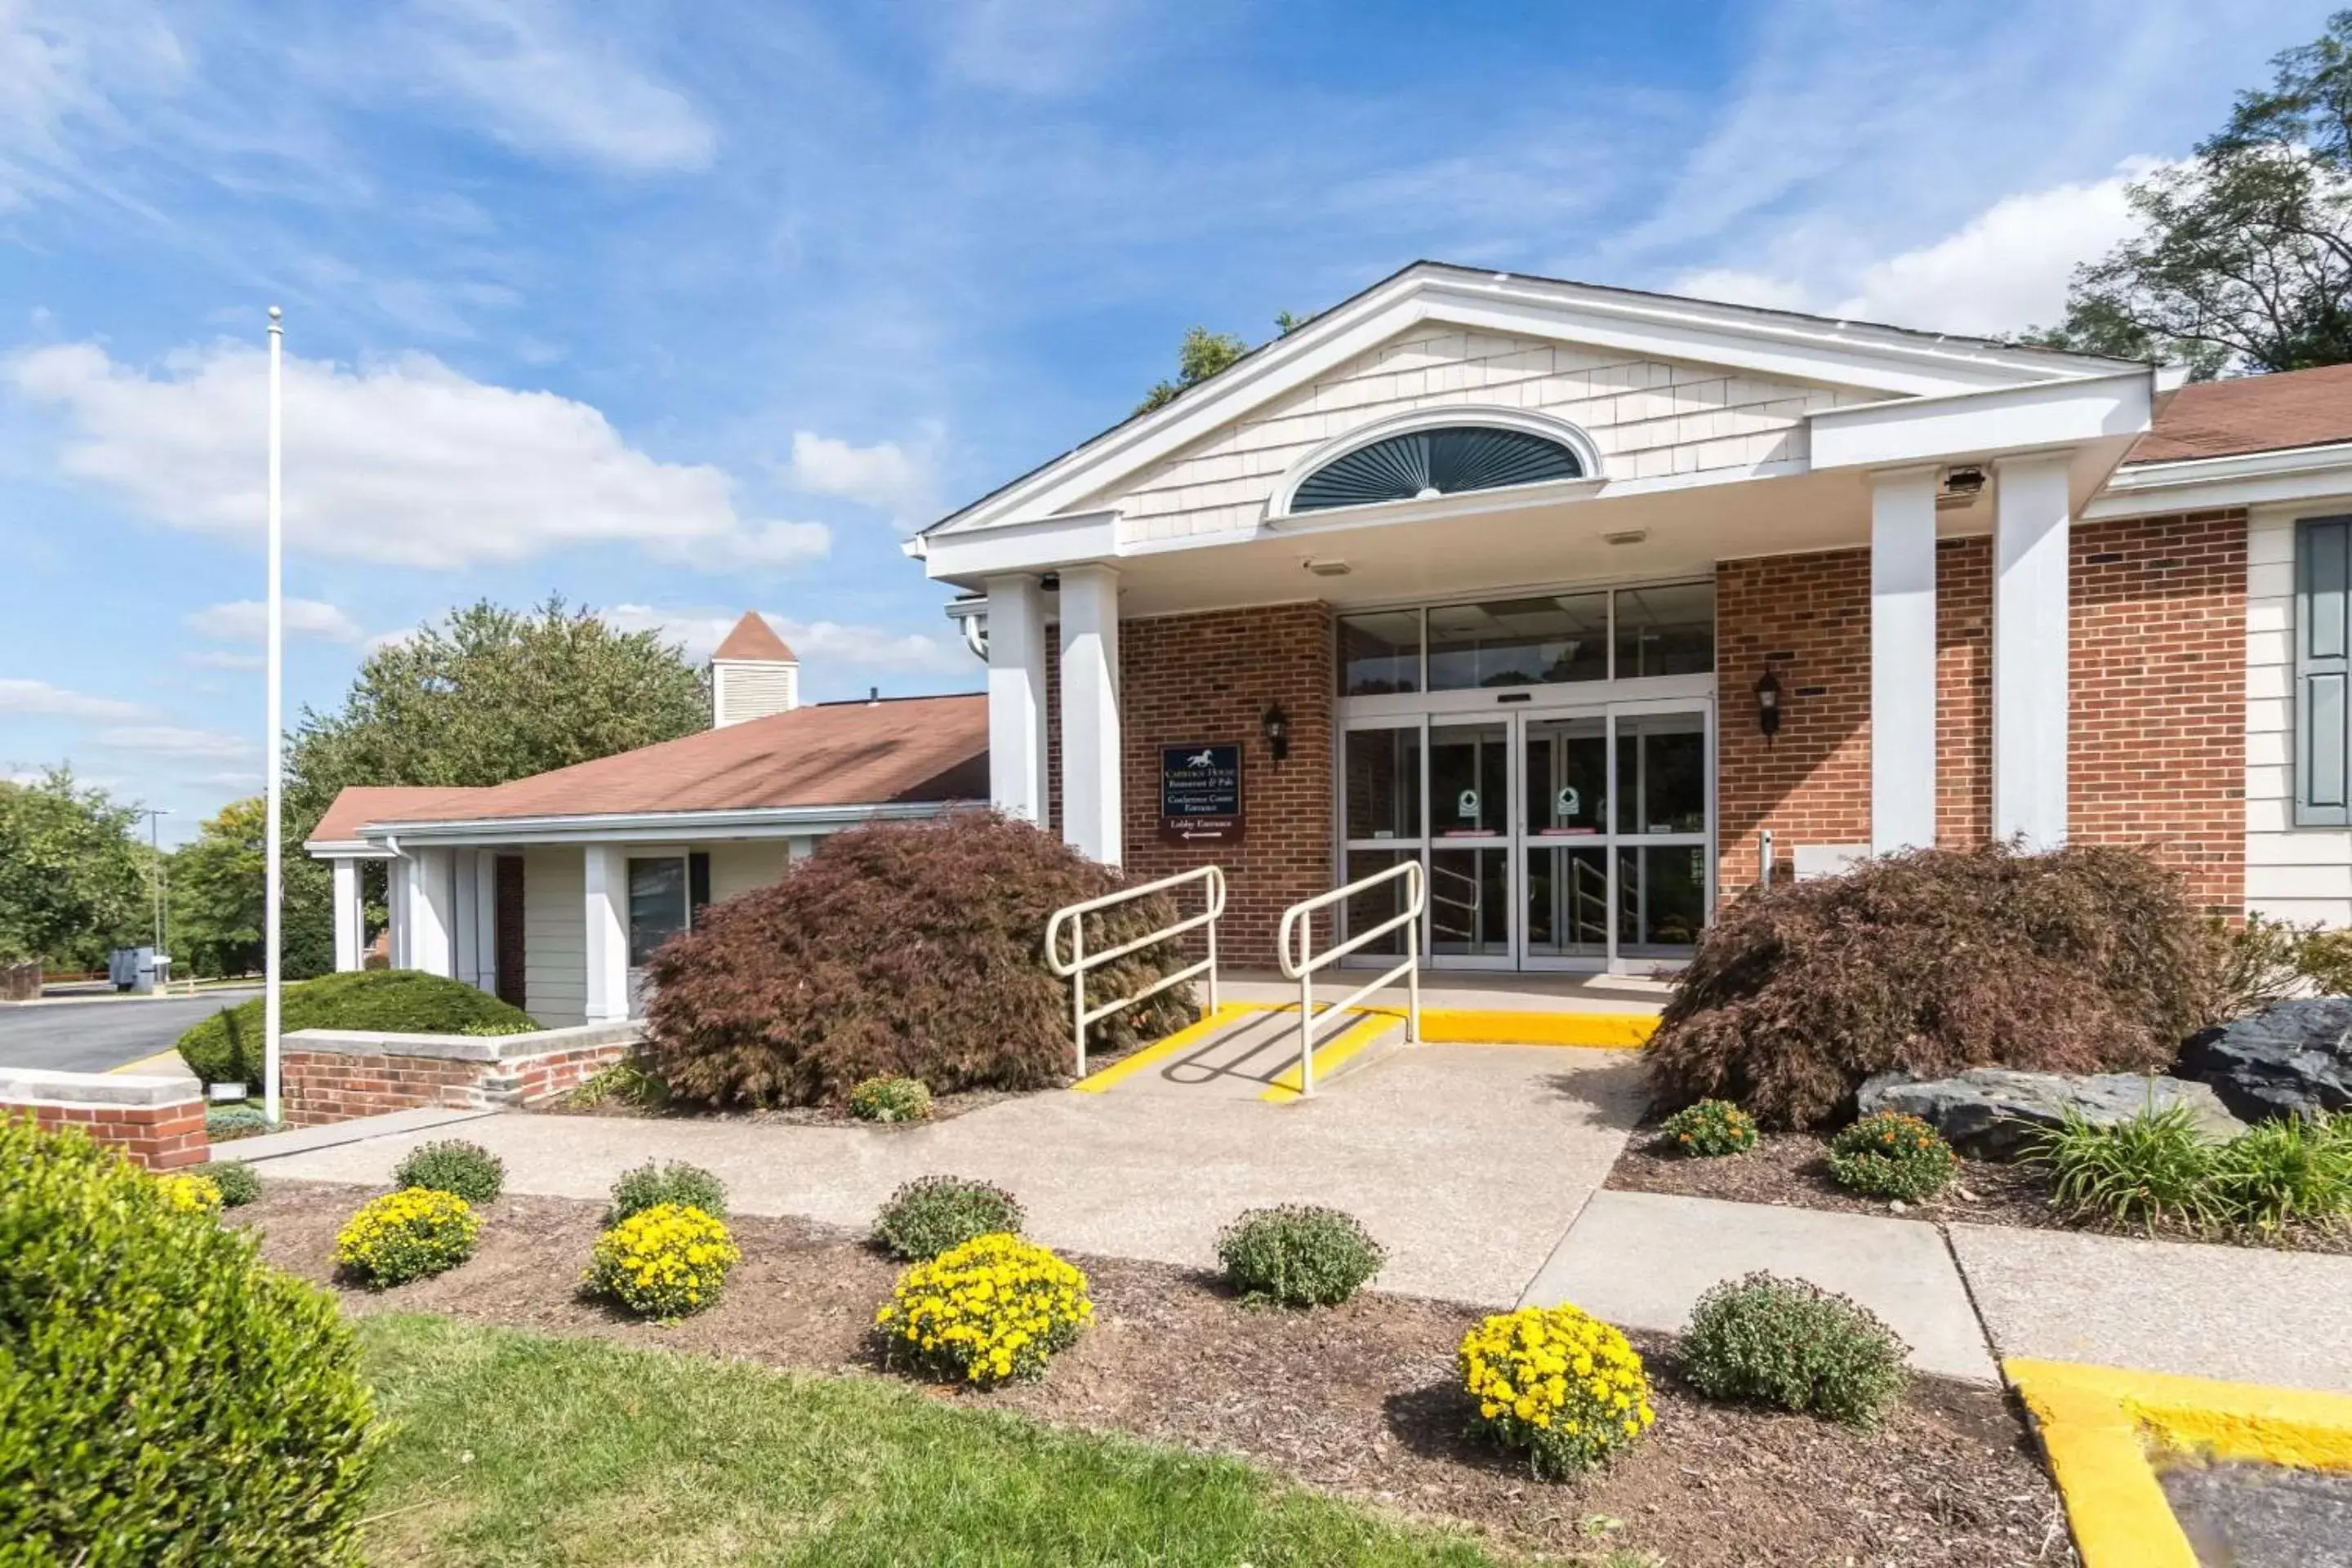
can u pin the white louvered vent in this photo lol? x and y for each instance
(744, 689)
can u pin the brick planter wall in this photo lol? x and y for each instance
(335, 1074)
(158, 1121)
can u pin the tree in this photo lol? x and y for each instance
(2244, 259)
(73, 878)
(217, 883)
(486, 696)
(1202, 354)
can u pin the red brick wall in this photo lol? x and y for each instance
(2158, 720)
(1807, 618)
(1963, 692)
(320, 1087)
(1193, 678)
(160, 1137)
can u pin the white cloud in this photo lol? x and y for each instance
(405, 462)
(22, 695)
(178, 741)
(827, 647)
(60, 66)
(2005, 270)
(545, 87)
(1034, 46)
(224, 659)
(384, 640)
(248, 620)
(231, 779)
(885, 476)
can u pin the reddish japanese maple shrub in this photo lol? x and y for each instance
(899, 951)
(2090, 959)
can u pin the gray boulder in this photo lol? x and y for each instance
(2293, 1058)
(1991, 1113)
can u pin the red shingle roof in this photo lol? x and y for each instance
(2249, 413)
(907, 750)
(754, 638)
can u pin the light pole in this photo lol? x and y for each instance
(155, 869)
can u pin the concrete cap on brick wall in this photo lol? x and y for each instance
(27, 1086)
(463, 1047)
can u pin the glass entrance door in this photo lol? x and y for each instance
(1575, 840)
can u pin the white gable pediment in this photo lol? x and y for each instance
(1661, 385)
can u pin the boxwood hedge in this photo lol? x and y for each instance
(226, 1047)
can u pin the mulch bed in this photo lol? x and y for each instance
(1792, 1169)
(1358, 1400)
(944, 1106)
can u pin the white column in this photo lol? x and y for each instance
(1090, 735)
(1903, 660)
(1016, 697)
(606, 946)
(484, 951)
(2029, 650)
(396, 898)
(351, 917)
(431, 923)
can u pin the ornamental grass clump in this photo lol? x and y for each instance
(989, 1311)
(2282, 1172)
(190, 1193)
(1298, 1255)
(1790, 1343)
(1708, 1129)
(2087, 959)
(1557, 1384)
(2150, 1167)
(167, 1398)
(931, 1214)
(235, 1181)
(890, 1099)
(650, 1185)
(664, 1263)
(412, 1234)
(453, 1166)
(1890, 1155)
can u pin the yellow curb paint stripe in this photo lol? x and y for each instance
(1514, 1027)
(1331, 1052)
(161, 1062)
(2097, 1424)
(1160, 1050)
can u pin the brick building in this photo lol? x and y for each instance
(1574, 596)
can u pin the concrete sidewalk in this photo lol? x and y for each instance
(1466, 1161)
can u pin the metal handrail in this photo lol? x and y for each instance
(1298, 931)
(1212, 880)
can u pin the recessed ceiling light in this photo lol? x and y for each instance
(1328, 568)
(1626, 536)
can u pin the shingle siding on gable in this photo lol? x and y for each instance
(1651, 419)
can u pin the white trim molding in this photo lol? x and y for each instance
(661, 826)
(2289, 476)
(1447, 417)
(1983, 422)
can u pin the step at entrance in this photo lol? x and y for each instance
(1250, 1053)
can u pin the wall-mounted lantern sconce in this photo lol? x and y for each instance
(1767, 706)
(1275, 725)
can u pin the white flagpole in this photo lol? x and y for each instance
(277, 885)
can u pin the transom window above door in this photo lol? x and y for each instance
(1621, 634)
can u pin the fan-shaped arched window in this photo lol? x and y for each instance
(1448, 460)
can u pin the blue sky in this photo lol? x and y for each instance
(678, 309)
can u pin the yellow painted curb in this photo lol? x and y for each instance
(1160, 1050)
(2098, 1424)
(1512, 1026)
(161, 1062)
(1375, 1023)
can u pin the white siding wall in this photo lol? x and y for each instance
(2294, 873)
(555, 962)
(1650, 418)
(738, 867)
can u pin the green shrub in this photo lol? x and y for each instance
(408, 1234)
(1298, 1255)
(452, 1166)
(2255, 963)
(1790, 1343)
(492, 1028)
(900, 950)
(2088, 959)
(673, 1181)
(226, 1122)
(165, 1397)
(624, 1082)
(237, 1183)
(890, 1099)
(2275, 1172)
(664, 1262)
(1891, 1155)
(1708, 1129)
(931, 1214)
(227, 1047)
(2325, 960)
(2156, 1166)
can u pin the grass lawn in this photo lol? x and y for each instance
(513, 1448)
